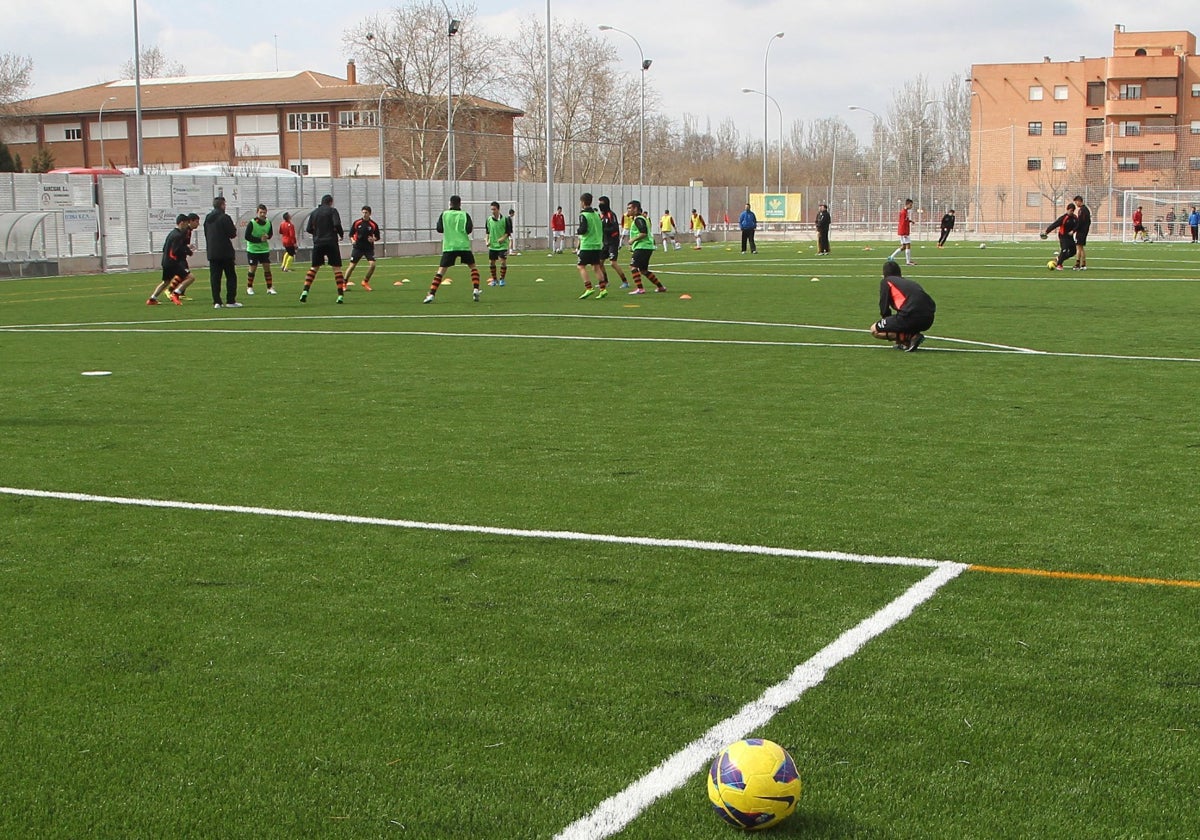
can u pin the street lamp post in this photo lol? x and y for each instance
(451, 165)
(642, 111)
(921, 155)
(767, 55)
(103, 160)
(382, 164)
(979, 164)
(879, 143)
(779, 176)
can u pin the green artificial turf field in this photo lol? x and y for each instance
(470, 570)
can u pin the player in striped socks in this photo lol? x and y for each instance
(455, 226)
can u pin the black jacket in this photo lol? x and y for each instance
(824, 220)
(219, 233)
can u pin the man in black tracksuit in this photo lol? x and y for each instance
(1065, 225)
(823, 221)
(905, 310)
(219, 233)
(947, 226)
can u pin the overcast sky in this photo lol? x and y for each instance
(834, 53)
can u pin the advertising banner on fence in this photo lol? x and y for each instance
(777, 207)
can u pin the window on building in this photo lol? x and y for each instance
(1196, 91)
(1059, 164)
(1095, 94)
(1035, 129)
(1036, 93)
(1060, 92)
(1093, 165)
(298, 169)
(58, 132)
(1162, 87)
(358, 119)
(316, 121)
(1130, 92)
(257, 123)
(1033, 164)
(1033, 199)
(113, 129)
(1195, 126)
(358, 167)
(1128, 164)
(1095, 130)
(1129, 129)
(18, 134)
(160, 128)
(207, 126)
(1060, 128)
(1194, 164)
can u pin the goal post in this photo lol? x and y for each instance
(1164, 213)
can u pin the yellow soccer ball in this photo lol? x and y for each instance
(753, 784)
(1052, 264)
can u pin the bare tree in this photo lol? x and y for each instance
(595, 107)
(16, 74)
(154, 65)
(411, 50)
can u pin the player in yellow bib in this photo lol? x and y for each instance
(667, 226)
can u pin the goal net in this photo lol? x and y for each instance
(1164, 214)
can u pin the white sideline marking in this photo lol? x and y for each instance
(616, 812)
(697, 545)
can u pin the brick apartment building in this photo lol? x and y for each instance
(301, 120)
(1045, 131)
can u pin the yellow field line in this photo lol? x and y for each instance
(1005, 570)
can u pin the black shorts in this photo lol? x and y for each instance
(590, 257)
(611, 248)
(173, 269)
(449, 258)
(1139, 228)
(639, 258)
(258, 259)
(323, 252)
(501, 254)
(905, 322)
(361, 251)
(291, 250)
(1081, 238)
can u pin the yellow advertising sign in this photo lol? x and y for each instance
(777, 207)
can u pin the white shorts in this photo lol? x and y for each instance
(904, 240)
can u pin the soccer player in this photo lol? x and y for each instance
(455, 226)
(219, 233)
(1083, 224)
(364, 233)
(905, 310)
(667, 225)
(512, 239)
(1194, 223)
(558, 229)
(611, 228)
(287, 236)
(499, 229)
(591, 248)
(325, 228)
(189, 278)
(641, 249)
(174, 261)
(1139, 230)
(904, 231)
(947, 227)
(823, 221)
(748, 223)
(258, 249)
(698, 226)
(1065, 226)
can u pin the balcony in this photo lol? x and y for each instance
(1135, 67)
(1149, 106)
(1150, 140)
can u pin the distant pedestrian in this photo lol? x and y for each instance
(823, 221)
(219, 233)
(748, 223)
(325, 228)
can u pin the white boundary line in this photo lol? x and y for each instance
(616, 812)
(697, 545)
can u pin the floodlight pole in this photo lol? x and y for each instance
(451, 164)
(921, 156)
(979, 165)
(645, 65)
